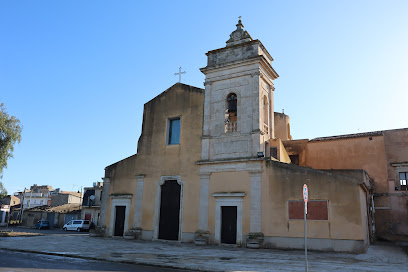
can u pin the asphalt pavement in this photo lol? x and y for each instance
(11, 261)
(379, 257)
(42, 231)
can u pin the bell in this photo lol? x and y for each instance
(232, 104)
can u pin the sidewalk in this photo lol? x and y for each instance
(207, 258)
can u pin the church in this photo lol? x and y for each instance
(219, 166)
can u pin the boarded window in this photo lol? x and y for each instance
(316, 209)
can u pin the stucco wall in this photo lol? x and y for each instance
(282, 126)
(396, 148)
(297, 147)
(351, 153)
(229, 182)
(284, 182)
(156, 159)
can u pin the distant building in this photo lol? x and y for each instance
(11, 200)
(65, 197)
(45, 195)
(57, 216)
(7, 205)
(37, 196)
(91, 204)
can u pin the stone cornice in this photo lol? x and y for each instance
(121, 196)
(399, 164)
(237, 194)
(241, 45)
(230, 160)
(227, 66)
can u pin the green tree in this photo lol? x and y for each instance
(3, 191)
(10, 133)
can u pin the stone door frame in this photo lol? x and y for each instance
(119, 200)
(228, 199)
(162, 180)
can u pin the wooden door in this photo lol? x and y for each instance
(120, 220)
(228, 224)
(169, 210)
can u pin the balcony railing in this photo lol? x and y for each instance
(231, 126)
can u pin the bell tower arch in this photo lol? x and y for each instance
(238, 105)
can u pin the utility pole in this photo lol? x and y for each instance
(80, 200)
(22, 206)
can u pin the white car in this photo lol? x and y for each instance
(77, 225)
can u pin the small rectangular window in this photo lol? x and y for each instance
(403, 180)
(174, 131)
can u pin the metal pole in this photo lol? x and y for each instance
(22, 206)
(304, 216)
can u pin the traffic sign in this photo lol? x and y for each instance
(305, 193)
(305, 199)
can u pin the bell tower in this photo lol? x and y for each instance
(238, 105)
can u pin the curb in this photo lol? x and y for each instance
(105, 260)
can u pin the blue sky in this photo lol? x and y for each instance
(77, 73)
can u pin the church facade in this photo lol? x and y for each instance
(219, 166)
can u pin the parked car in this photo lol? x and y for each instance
(42, 224)
(77, 225)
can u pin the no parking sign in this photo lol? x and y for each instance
(305, 196)
(305, 199)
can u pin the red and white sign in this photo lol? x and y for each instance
(305, 193)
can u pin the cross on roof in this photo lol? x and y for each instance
(179, 74)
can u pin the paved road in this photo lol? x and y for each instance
(29, 262)
(378, 258)
(43, 231)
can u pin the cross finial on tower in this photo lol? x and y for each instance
(240, 25)
(179, 74)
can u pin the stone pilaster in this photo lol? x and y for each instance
(255, 196)
(204, 195)
(137, 216)
(104, 202)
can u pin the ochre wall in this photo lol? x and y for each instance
(122, 181)
(156, 159)
(396, 148)
(285, 183)
(376, 156)
(229, 182)
(352, 153)
(282, 126)
(297, 147)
